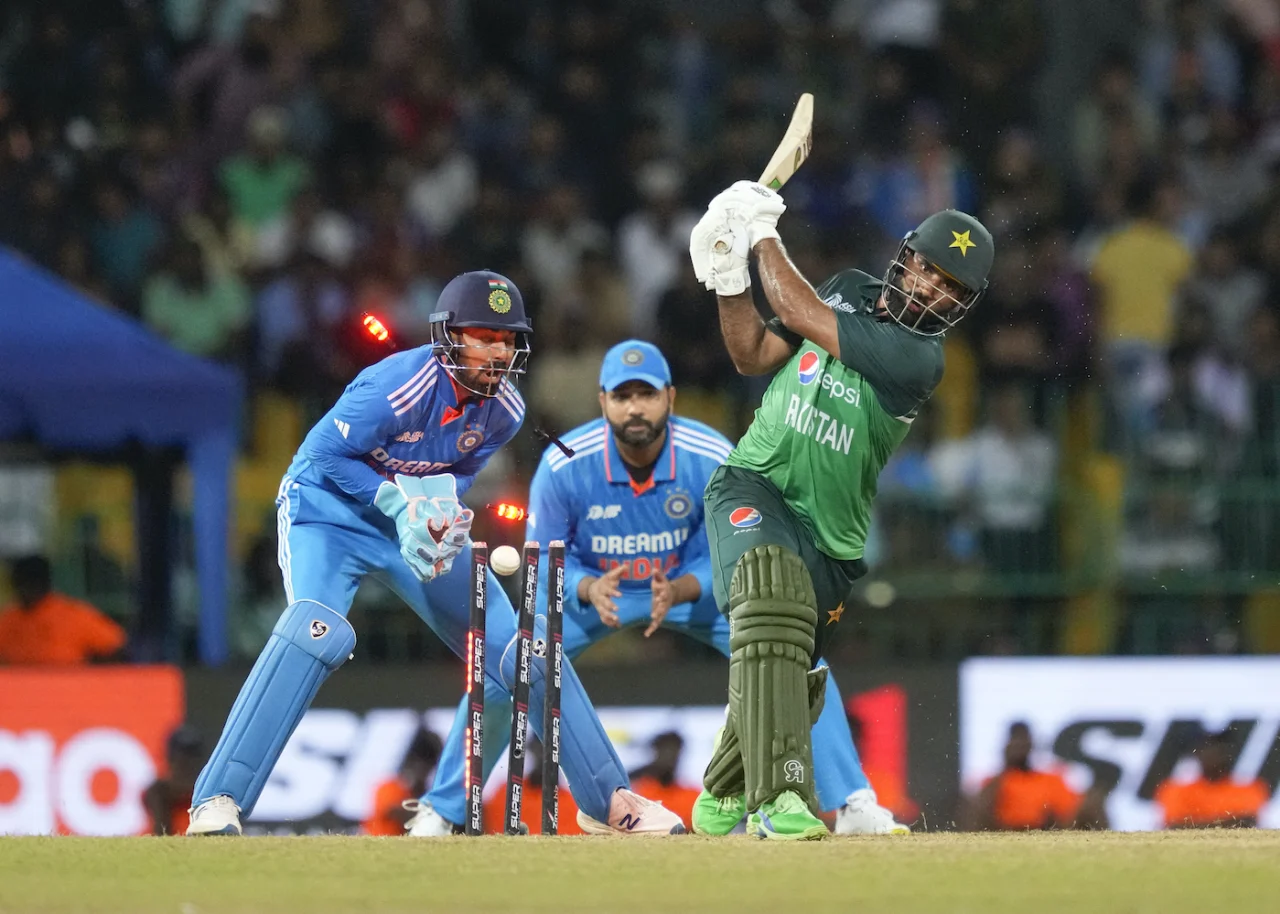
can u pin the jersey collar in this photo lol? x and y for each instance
(615, 471)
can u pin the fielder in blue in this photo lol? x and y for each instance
(628, 505)
(375, 489)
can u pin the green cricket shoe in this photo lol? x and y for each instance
(717, 816)
(787, 818)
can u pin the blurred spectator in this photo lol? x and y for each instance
(395, 800)
(653, 243)
(443, 183)
(262, 181)
(1114, 105)
(657, 779)
(1229, 288)
(1138, 270)
(1021, 798)
(168, 799)
(1189, 42)
(927, 176)
(1225, 175)
(554, 241)
(301, 317)
(991, 48)
(309, 226)
(1007, 470)
(201, 311)
(123, 236)
(226, 243)
(44, 627)
(1023, 192)
(1215, 799)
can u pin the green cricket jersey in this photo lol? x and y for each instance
(828, 424)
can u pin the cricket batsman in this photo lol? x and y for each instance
(376, 488)
(628, 506)
(787, 514)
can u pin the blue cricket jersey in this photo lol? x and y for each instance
(605, 519)
(401, 415)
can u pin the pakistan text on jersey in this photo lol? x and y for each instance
(813, 423)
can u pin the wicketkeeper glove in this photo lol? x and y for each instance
(432, 525)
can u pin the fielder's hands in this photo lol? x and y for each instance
(663, 600)
(600, 594)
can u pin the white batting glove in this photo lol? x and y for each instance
(755, 204)
(729, 253)
(714, 224)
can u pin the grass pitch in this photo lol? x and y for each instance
(1036, 873)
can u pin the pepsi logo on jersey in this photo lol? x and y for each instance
(807, 367)
(745, 517)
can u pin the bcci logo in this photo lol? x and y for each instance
(807, 368)
(470, 440)
(793, 770)
(678, 505)
(500, 301)
(632, 357)
(318, 629)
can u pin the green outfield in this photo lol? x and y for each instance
(1034, 873)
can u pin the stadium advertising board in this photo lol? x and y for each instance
(78, 746)
(1126, 724)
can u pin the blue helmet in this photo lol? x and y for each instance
(485, 300)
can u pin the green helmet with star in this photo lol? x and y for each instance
(940, 272)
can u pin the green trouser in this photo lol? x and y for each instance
(776, 583)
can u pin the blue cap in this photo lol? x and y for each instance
(482, 298)
(634, 360)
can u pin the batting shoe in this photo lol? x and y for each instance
(862, 814)
(786, 818)
(217, 816)
(717, 816)
(632, 814)
(426, 822)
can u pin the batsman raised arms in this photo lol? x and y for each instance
(787, 515)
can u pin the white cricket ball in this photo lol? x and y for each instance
(504, 560)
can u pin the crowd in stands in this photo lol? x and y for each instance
(247, 177)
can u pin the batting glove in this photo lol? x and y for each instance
(756, 204)
(729, 250)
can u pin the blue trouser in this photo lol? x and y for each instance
(837, 769)
(327, 544)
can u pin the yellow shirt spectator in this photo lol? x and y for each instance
(1138, 271)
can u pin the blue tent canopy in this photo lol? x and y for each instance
(80, 377)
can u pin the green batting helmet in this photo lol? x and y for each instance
(931, 297)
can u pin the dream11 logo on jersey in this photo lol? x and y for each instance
(79, 746)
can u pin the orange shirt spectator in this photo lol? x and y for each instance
(1215, 798)
(675, 796)
(495, 809)
(44, 627)
(1021, 798)
(1031, 800)
(388, 801)
(388, 817)
(1203, 803)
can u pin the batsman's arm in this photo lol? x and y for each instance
(752, 347)
(793, 300)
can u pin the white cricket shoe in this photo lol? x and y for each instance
(632, 814)
(217, 816)
(862, 814)
(426, 822)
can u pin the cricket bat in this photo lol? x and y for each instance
(790, 154)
